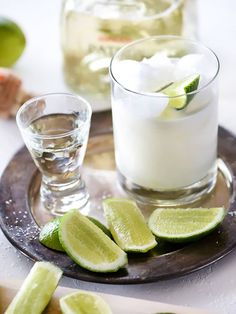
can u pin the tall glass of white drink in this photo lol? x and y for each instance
(164, 106)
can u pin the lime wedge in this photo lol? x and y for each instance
(37, 289)
(101, 226)
(49, 235)
(82, 302)
(182, 88)
(127, 225)
(185, 224)
(88, 245)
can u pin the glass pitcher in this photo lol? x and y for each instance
(92, 31)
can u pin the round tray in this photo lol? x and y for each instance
(22, 214)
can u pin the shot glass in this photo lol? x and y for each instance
(55, 129)
(165, 143)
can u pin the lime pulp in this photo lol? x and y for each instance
(82, 302)
(127, 225)
(88, 245)
(185, 224)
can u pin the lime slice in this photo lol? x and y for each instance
(49, 235)
(37, 289)
(88, 245)
(127, 225)
(185, 224)
(82, 302)
(12, 42)
(182, 88)
(101, 226)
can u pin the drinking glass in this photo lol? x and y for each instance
(55, 129)
(168, 157)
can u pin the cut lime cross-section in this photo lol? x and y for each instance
(37, 289)
(181, 89)
(49, 233)
(127, 225)
(88, 245)
(185, 224)
(82, 302)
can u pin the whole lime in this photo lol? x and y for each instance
(12, 42)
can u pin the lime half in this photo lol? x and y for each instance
(37, 289)
(185, 224)
(182, 88)
(49, 235)
(88, 245)
(82, 302)
(127, 225)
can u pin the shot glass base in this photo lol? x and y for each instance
(170, 198)
(59, 200)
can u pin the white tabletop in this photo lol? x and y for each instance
(213, 287)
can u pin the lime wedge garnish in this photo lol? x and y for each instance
(185, 224)
(82, 302)
(127, 225)
(37, 289)
(88, 245)
(49, 235)
(182, 88)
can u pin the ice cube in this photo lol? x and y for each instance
(125, 73)
(142, 77)
(164, 66)
(188, 65)
(192, 64)
(158, 59)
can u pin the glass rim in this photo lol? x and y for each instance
(46, 136)
(163, 37)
